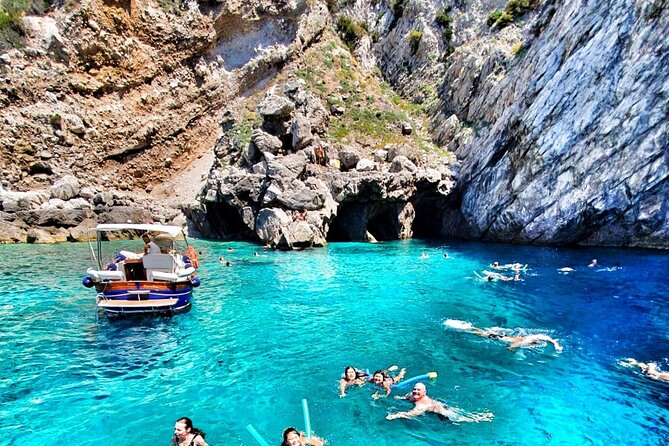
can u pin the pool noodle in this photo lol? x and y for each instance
(256, 435)
(307, 421)
(406, 382)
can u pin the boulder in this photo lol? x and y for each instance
(274, 106)
(301, 131)
(11, 232)
(402, 163)
(65, 188)
(269, 225)
(365, 165)
(265, 142)
(349, 158)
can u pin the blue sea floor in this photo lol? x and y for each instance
(273, 329)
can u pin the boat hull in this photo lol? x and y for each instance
(126, 298)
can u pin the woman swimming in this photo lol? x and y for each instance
(383, 380)
(352, 377)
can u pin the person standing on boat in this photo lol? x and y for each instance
(187, 435)
(150, 246)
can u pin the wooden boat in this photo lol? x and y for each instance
(129, 282)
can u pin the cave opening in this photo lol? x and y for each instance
(225, 222)
(429, 215)
(355, 220)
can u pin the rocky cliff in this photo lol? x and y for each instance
(556, 112)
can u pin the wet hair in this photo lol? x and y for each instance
(189, 426)
(287, 432)
(383, 373)
(358, 373)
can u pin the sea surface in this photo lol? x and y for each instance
(274, 329)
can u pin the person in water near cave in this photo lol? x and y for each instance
(352, 377)
(650, 369)
(424, 404)
(526, 341)
(187, 435)
(293, 437)
(383, 380)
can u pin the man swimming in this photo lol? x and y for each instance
(424, 404)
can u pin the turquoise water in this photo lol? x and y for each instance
(273, 329)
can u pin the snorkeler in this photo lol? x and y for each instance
(527, 341)
(424, 404)
(650, 369)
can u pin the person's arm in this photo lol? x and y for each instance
(314, 440)
(408, 414)
(558, 347)
(199, 441)
(342, 388)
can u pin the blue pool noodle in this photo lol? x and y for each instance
(406, 382)
(307, 421)
(256, 435)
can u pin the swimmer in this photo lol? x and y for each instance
(495, 265)
(186, 435)
(650, 369)
(593, 263)
(527, 341)
(255, 254)
(292, 437)
(221, 260)
(446, 255)
(352, 377)
(424, 404)
(492, 276)
(383, 380)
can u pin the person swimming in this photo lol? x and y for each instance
(352, 377)
(424, 404)
(383, 380)
(526, 341)
(649, 369)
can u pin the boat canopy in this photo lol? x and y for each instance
(173, 231)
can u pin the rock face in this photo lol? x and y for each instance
(573, 147)
(288, 196)
(558, 121)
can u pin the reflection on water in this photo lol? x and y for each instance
(275, 328)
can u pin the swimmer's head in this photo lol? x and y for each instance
(350, 373)
(419, 390)
(495, 264)
(291, 437)
(378, 377)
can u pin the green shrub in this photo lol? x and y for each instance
(414, 38)
(443, 19)
(349, 30)
(499, 19)
(519, 7)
